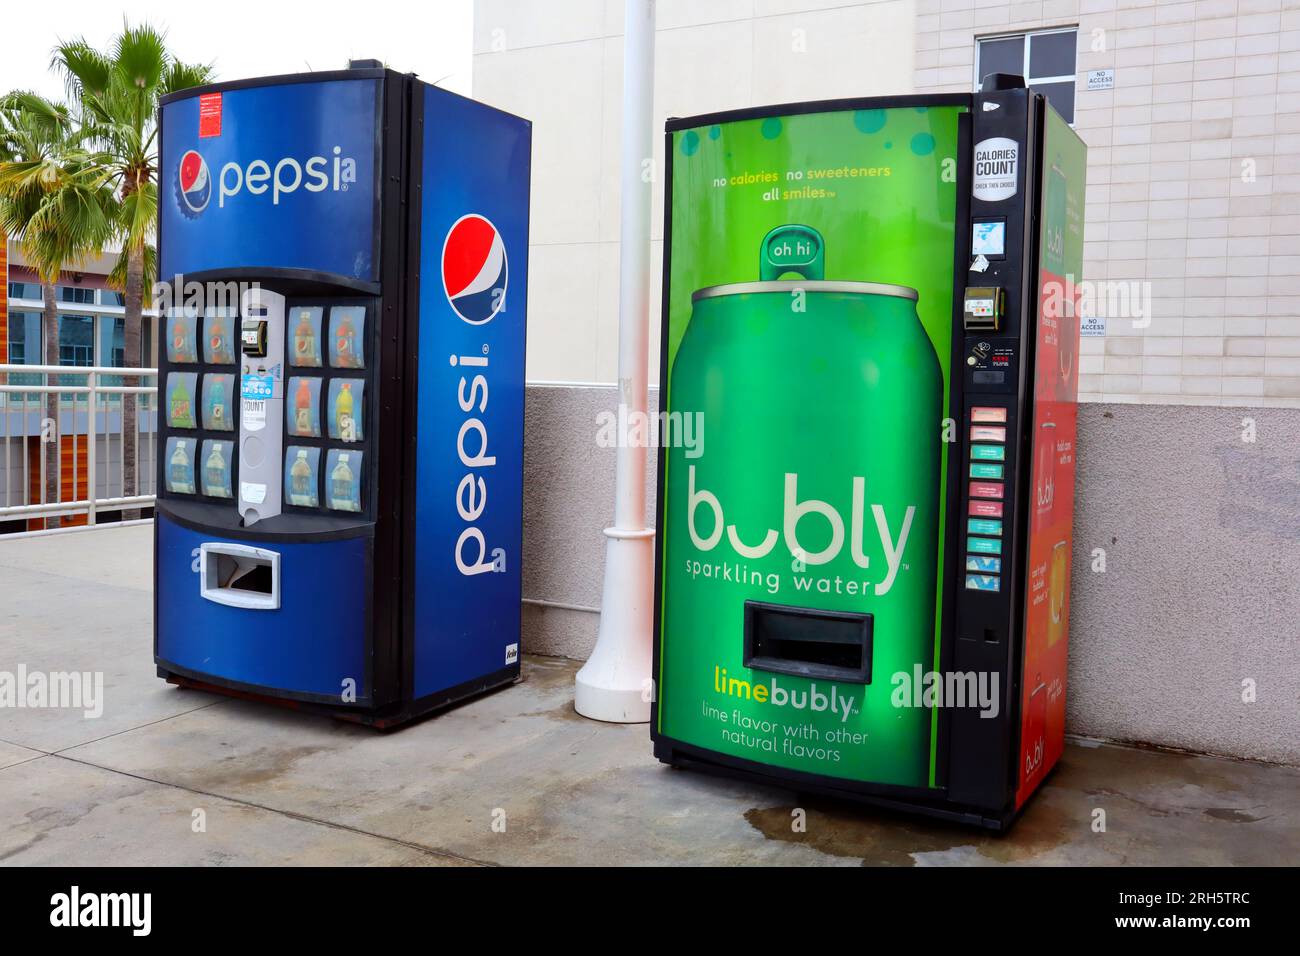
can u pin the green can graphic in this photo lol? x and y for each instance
(799, 553)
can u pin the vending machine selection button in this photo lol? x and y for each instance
(983, 564)
(988, 433)
(983, 582)
(983, 546)
(988, 453)
(986, 471)
(988, 414)
(983, 526)
(986, 489)
(986, 509)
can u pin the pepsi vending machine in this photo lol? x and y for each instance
(864, 567)
(344, 258)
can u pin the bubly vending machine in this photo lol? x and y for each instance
(339, 510)
(869, 319)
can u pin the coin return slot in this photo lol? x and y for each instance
(807, 642)
(239, 576)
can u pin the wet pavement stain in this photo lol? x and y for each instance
(858, 834)
(545, 673)
(564, 711)
(1230, 815)
(880, 837)
(260, 766)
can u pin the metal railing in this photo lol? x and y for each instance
(89, 416)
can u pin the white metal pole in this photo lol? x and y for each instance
(615, 683)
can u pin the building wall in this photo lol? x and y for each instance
(1194, 604)
(1194, 159)
(560, 64)
(1193, 183)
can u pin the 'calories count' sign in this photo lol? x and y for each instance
(997, 163)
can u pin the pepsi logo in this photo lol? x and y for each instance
(474, 269)
(193, 184)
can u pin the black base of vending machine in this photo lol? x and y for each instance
(382, 719)
(862, 572)
(339, 515)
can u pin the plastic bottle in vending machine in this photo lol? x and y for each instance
(304, 341)
(302, 409)
(218, 399)
(341, 486)
(182, 406)
(181, 475)
(343, 421)
(300, 489)
(215, 473)
(345, 341)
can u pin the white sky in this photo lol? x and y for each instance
(243, 38)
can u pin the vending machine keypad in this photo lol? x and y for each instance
(984, 521)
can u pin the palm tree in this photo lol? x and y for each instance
(54, 197)
(114, 96)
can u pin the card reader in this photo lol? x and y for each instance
(982, 308)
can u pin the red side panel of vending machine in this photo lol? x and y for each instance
(1051, 508)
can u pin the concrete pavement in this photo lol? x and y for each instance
(170, 776)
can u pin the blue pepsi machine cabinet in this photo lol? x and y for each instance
(339, 512)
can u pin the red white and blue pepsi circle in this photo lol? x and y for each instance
(193, 184)
(474, 269)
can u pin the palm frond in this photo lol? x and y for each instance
(75, 177)
(83, 68)
(183, 76)
(140, 57)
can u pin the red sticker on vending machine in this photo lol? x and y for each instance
(209, 115)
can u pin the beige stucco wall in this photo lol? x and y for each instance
(560, 64)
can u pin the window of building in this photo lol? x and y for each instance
(76, 295)
(24, 338)
(109, 297)
(25, 290)
(112, 349)
(24, 349)
(1045, 58)
(76, 340)
(112, 352)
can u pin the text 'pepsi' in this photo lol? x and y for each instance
(287, 176)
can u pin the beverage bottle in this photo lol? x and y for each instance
(341, 484)
(345, 426)
(215, 473)
(182, 407)
(217, 339)
(300, 489)
(304, 341)
(182, 479)
(345, 342)
(180, 339)
(217, 399)
(302, 408)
